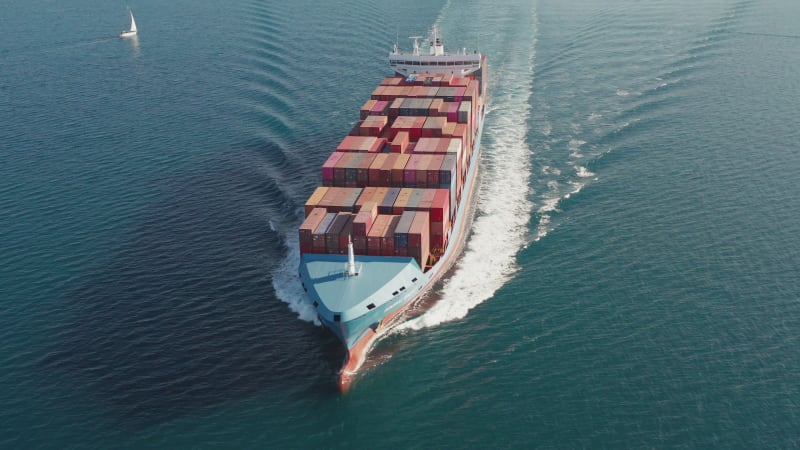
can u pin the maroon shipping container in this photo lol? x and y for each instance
(362, 170)
(433, 126)
(345, 234)
(307, 228)
(327, 167)
(360, 245)
(318, 236)
(334, 230)
(410, 172)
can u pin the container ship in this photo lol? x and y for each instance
(394, 206)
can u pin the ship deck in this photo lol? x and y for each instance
(328, 282)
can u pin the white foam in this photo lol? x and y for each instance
(287, 284)
(583, 172)
(500, 229)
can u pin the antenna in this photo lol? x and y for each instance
(351, 258)
(416, 43)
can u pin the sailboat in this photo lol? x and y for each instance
(130, 32)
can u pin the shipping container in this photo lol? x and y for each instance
(387, 239)
(373, 126)
(401, 201)
(386, 205)
(410, 172)
(398, 170)
(375, 178)
(465, 111)
(402, 229)
(362, 170)
(361, 144)
(333, 232)
(366, 108)
(433, 126)
(400, 142)
(315, 198)
(318, 236)
(307, 228)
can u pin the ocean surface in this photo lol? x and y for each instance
(631, 278)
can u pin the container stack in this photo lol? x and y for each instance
(393, 185)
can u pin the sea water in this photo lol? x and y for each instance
(630, 279)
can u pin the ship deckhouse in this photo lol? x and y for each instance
(435, 61)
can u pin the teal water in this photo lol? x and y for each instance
(630, 280)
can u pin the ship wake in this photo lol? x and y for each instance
(504, 208)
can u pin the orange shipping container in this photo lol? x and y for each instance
(315, 198)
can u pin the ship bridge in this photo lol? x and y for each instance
(435, 61)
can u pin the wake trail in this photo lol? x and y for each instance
(503, 210)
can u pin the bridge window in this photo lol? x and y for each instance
(337, 317)
(371, 306)
(316, 303)
(403, 288)
(394, 293)
(414, 280)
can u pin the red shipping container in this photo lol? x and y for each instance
(360, 245)
(327, 166)
(400, 142)
(440, 207)
(345, 235)
(362, 223)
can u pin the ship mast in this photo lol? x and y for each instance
(351, 258)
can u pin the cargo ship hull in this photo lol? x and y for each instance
(396, 201)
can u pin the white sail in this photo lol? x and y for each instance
(132, 31)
